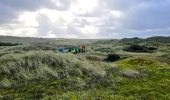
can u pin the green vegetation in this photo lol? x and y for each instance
(9, 44)
(104, 71)
(131, 41)
(159, 39)
(139, 48)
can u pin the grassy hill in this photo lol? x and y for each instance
(56, 41)
(160, 39)
(35, 70)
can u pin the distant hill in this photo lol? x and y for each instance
(134, 40)
(64, 41)
(24, 40)
(106, 41)
(56, 41)
(160, 39)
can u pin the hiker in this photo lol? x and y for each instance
(83, 47)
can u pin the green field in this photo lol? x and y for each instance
(125, 69)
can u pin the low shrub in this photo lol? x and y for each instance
(104, 50)
(112, 57)
(9, 44)
(140, 48)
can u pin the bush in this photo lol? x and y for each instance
(140, 48)
(104, 49)
(112, 57)
(9, 44)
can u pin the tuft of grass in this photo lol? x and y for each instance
(94, 58)
(36, 64)
(164, 58)
(46, 65)
(5, 83)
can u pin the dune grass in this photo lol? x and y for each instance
(49, 75)
(36, 69)
(39, 72)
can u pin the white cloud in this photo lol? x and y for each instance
(84, 6)
(28, 19)
(85, 18)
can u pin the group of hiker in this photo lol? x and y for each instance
(76, 49)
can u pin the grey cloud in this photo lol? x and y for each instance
(149, 16)
(10, 9)
(7, 14)
(47, 26)
(140, 17)
(126, 4)
(27, 4)
(118, 4)
(63, 4)
(36, 4)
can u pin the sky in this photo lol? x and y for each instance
(85, 18)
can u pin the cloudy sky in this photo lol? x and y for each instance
(85, 18)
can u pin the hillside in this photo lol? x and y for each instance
(160, 39)
(57, 41)
(36, 70)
